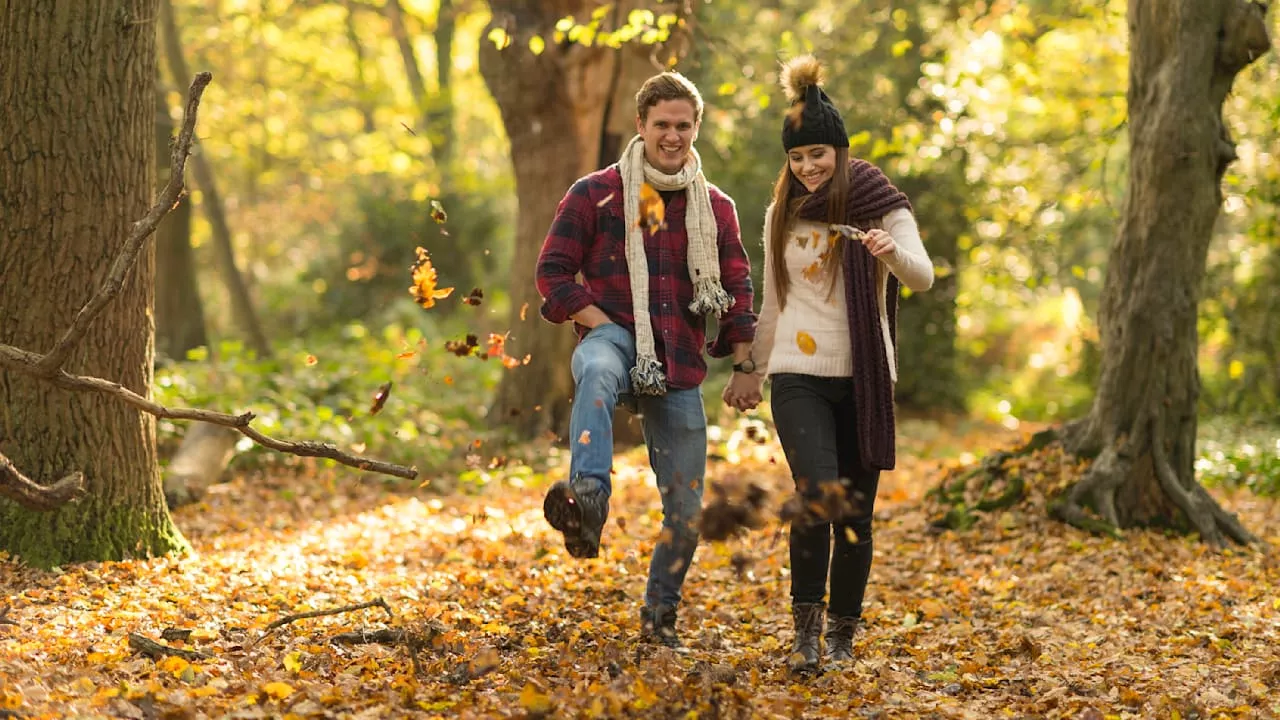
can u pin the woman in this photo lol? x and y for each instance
(839, 240)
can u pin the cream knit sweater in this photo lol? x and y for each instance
(811, 336)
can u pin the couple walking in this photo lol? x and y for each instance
(839, 239)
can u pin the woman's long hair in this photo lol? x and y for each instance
(785, 213)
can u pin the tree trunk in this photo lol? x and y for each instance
(567, 112)
(246, 319)
(75, 173)
(1184, 56)
(179, 313)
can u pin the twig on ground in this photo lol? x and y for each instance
(411, 641)
(156, 650)
(376, 602)
(4, 616)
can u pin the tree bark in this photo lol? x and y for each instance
(567, 112)
(1184, 56)
(179, 312)
(242, 311)
(435, 112)
(75, 172)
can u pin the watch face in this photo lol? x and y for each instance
(747, 366)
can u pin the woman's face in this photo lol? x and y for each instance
(812, 164)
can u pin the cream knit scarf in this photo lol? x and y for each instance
(703, 254)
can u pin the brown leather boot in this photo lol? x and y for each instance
(806, 652)
(840, 631)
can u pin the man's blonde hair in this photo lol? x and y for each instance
(667, 86)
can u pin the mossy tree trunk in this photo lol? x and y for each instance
(76, 170)
(1184, 56)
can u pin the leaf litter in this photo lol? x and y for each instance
(489, 617)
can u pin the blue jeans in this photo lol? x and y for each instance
(675, 432)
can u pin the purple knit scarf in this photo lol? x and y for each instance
(871, 197)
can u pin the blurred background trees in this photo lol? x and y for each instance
(331, 128)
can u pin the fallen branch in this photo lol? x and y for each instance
(396, 637)
(377, 602)
(156, 650)
(4, 616)
(30, 494)
(48, 367)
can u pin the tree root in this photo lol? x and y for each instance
(961, 515)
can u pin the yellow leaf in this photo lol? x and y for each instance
(278, 690)
(204, 634)
(174, 665)
(901, 47)
(537, 44)
(293, 662)
(533, 700)
(806, 343)
(1235, 369)
(499, 38)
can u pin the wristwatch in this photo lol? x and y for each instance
(747, 366)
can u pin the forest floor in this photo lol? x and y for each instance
(1018, 617)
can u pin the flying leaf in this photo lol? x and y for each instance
(424, 289)
(311, 360)
(474, 297)
(437, 212)
(652, 211)
(499, 38)
(497, 343)
(806, 343)
(524, 309)
(464, 347)
(537, 44)
(605, 201)
(380, 398)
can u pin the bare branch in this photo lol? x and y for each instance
(34, 496)
(142, 230)
(13, 484)
(27, 362)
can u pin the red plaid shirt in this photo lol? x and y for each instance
(588, 236)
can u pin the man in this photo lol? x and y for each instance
(649, 279)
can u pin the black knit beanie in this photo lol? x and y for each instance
(818, 123)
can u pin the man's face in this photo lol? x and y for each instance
(668, 132)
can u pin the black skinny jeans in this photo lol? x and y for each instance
(818, 429)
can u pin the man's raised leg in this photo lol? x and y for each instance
(579, 506)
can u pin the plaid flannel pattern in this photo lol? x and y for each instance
(588, 236)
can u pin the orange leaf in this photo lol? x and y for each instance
(652, 211)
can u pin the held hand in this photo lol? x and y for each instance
(743, 391)
(879, 243)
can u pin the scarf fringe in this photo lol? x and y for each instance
(710, 298)
(647, 377)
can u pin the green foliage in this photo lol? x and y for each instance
(1235, 455)
(321, 388)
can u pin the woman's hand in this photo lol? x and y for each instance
(744, 391)
(879, 243)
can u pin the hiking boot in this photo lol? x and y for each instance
(658, 625)
(806, 652)
(578, 510)
(840, 631)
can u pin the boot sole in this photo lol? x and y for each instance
(562, 511)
